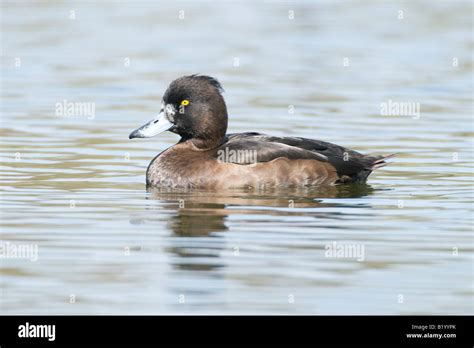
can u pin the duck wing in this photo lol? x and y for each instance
(347, 162)
(248, 148)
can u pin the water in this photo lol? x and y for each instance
(74, 186)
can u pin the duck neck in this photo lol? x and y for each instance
(210, 134)
(204, 144)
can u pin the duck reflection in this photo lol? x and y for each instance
(203, 214)
(198, 213)
(197, 220)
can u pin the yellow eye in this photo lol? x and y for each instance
(185, 102)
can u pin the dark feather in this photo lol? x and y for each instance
(350, 165)
(265, 151)
(211, 80)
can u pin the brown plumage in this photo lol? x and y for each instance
(206, 157)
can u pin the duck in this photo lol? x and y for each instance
(207, 157)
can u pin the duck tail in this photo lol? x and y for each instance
(372, 163)
(380, 162)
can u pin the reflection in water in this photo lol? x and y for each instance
(200, 213)
(198, 219)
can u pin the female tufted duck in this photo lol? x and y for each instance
(207, 157)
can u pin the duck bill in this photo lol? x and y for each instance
(152, 128)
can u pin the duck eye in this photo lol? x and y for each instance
(185, 102)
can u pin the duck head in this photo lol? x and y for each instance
(192, 107)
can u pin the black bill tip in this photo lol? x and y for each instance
(134, 134)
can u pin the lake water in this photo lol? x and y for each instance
(73, 185)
